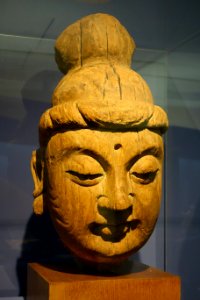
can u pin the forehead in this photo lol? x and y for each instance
(106, 142)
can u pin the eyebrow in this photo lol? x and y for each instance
(101, 160)
(154, 150)
(98, 157)
(62, 153)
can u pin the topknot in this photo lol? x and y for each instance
(98, 37)
(99, 90)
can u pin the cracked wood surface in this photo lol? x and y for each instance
(99, 167)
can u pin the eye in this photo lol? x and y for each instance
(145, 169)
(87, 179)
(83, 170)
(145, 178)
(83, 177)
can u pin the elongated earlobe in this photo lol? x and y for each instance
(37, 170)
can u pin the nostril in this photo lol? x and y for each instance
(100, 196)
(131, 194)
(117, 146)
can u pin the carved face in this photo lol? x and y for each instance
(103, 190)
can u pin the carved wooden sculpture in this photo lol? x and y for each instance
(99, 167)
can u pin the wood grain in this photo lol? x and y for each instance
(45, 283)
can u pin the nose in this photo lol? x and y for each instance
(118, 194)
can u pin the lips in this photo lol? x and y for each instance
(113, 232)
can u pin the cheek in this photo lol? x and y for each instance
(75, 206)
(147, 205)
(81, 203)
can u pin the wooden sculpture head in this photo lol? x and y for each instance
(99, 167)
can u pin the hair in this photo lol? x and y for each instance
(99, 90)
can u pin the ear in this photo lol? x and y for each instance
(37, 170)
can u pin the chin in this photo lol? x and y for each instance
(93, 258)
(93, 250)
(97, 249)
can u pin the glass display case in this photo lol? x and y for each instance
(28, 76)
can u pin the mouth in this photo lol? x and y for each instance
(113, 232)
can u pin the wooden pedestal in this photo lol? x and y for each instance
(145, 283)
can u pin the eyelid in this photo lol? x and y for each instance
(144, 178)
(145, 169)
(142, 174)
(104, 164)
(101, 160)
(153, 151)
(84, 176)
(84, 179)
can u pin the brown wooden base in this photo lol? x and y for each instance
(145, 283)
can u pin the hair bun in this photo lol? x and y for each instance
(97, 37)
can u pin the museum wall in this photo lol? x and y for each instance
(167, 37)
(182, 168)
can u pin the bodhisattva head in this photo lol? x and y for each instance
(99, 167)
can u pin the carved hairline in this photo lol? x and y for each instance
(74, 115)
